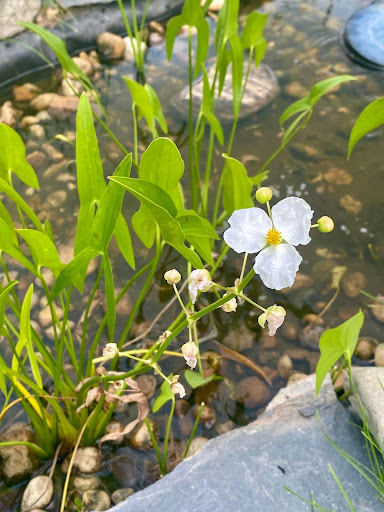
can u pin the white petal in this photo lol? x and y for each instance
(292, 217)
(248, 230)
(277, 266)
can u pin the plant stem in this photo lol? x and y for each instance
(194, 181)
(135, 147)
(191, 437)
(166, 439)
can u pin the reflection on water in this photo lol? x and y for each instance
(304, 48)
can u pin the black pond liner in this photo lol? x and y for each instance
(364, 36)
(17, 62)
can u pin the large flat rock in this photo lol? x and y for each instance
(12, 11)
(245, 470)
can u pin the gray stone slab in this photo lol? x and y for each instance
(12, 11)
(245, 470)
(82, 3)
(368, 383)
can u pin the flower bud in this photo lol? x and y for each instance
(172, 276)
(325, 224)
(176, 387)
(229, 306)
(263, 195)
(274, 316)
(200, 281)
(164, 336)
(110, 350)
(190, 351)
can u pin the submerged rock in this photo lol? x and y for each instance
(96, 500)
(38, 493)
(121, 495)
(352, 284)
(17, 462)
(379, 355)
(13, 10)
(262, 88)
(111, 45)
(8, 114)
(252, 392)
(365, 348)
(196, 446)
(141, 439)
(87, 460)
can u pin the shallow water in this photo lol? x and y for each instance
(304, 45)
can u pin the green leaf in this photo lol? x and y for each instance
(317, 92)
(237, 72)
(259, 178)
(109, 296)
(9, 245)
(165, 395)
(337, 342)
(237, 188)
(72, 269)
(252, 35)
(202, 44)
(214, 123)
(195, 379)
(25, 338)
(173, 29)
(370, 118)
(12, 157)
(156, 105)
(227, 24)
(192, 12)
(12, 194)
(124, 241)
(3, 300)
(58, 46)
(142, 101)
(192, 224)
(43, 251)
(90, 175)
(109, 208)
(163, 209)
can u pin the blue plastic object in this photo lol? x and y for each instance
(364, 36)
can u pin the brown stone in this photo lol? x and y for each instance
(353, 283)
(25, 92)
(365, 348)
(147, 384)
(335, 176)
(36, 159)
(301, 281)
(8, 114)
(111, 45)
(351, 205)
(252, 392)
(43, 101)
(61, 107)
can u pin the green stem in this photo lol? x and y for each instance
(155, 446)
(194, 181)
(208, 168)
(85, 324)
(135, 146)
(167, 433)
(243, 267)
(241, 295)
(104, 321)
(191, 437)
(180, 301)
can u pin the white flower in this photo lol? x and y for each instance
(176, 387)
(274, 316)
(190, 351)
(253, 231)
(200, 280)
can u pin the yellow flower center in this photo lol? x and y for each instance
(273, 237)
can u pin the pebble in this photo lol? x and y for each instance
(57, 198)
(182, 408)
(61, 107)
(353, 283)
(85, 483)
(29, 121)
(36, 131)
(196, 446)
(43, 117)
(289, 331)
(208, 416)
(350, 204)
(111, 45)
(38, 493)
(284, 366)
(85, 64)
(25, 92)
(378, 310)
(43, 101)
(71, 87)
(121, 494)
(17, 462)
(96, 500)
(124, 306)
(223, 428)
(296, 90)
(313, 319)
(114, 427)
(309, 337)
(365, 348)
(301, 281)
(128, 51)
(36, 159)
(141, 440)
(154, 39)
(295, 377)
(87, 460)
(52, 152)
(379, 355)
(215, 6)
(252, 392)
(8, 114)
(335, 176)
(55, 168)
(267, 341)
(240, 340)
(45, 318)
(147, 384)
(155, 26)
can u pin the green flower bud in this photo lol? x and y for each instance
(325, 224)
(263, 195)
